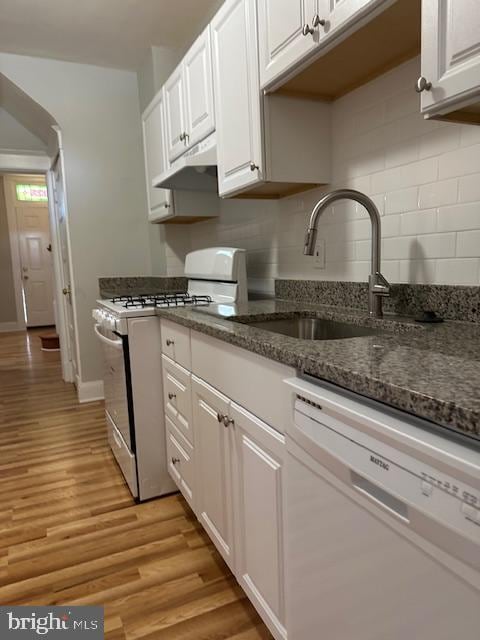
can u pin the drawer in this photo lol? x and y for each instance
(177, 395)
(126, 460)
(181, 465)
(176, 343)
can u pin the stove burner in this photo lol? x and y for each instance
(161, 300)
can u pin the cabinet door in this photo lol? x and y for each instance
(282, 42)
(237, 96)
(175, 114)
(159, 200)
(213, 450)
(258, 470)
(450, 53)
(199, 109)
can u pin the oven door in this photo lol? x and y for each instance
(115, 382)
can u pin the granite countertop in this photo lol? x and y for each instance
(432, 371)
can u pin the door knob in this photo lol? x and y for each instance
(422, 84)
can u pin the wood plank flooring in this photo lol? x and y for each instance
(70, 532)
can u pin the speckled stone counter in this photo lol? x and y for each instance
(432, 371)
(135, 285)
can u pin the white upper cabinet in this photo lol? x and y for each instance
(153, 126)
(199, 107)
(450, 81)
(265, 147)
(336, 13)
(289, 31)
(175, 114)
(189, 99)
(237, 96)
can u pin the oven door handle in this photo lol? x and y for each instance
(117, 344)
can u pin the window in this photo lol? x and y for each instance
(32, 192)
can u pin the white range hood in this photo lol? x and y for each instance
(195, 170)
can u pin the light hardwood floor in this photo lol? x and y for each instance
(70, 532)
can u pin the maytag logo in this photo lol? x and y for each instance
(380, 463)
(56, 622)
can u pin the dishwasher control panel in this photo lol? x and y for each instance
(391, 476)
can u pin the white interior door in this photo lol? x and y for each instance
(36, 262)
(67, 334)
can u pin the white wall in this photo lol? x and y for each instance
(99, 114)
(14, 136)
(424, 177)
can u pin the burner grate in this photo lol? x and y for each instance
(162, 300)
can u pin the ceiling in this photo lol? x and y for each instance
(112, 33)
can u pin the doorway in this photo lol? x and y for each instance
(32, 265)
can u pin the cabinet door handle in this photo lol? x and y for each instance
(318, 21)
(253, 166)
(175, 461)
(169, 342)
(307, 30)
(171, 396)
(422, 84)
(228, 421)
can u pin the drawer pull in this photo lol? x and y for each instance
(170, 342)
(175, 461)
(171, 396)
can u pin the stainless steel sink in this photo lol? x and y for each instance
(314, 328)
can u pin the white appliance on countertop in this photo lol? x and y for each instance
(129, 330)
(382, 525)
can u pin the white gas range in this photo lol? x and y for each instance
(128, 327)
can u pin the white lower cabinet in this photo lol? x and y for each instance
(228, 464)
(213, 456)
(258, 493)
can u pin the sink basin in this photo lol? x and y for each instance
(314, 328)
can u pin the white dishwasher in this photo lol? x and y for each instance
(382, 523)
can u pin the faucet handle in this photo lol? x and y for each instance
(379, 285)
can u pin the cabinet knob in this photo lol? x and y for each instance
(422, 84)
(171, 396)
(169, 342)
(228, 421)
(307, 30)
(166, 205)
(254, 167)
(220, 417)
(318, 21)
(182, 137)
(175, 461)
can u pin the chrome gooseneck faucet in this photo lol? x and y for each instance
(378, 286)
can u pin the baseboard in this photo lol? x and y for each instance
(6, 327)
(89, 391)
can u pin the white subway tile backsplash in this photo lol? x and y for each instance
(457, 271)
(418, 222)
(469, 187)
(459, 162)
(436, 194)
(459, 217)
(468, 244)
(424, 177)
(401, 200)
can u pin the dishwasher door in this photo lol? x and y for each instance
(361, 564)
